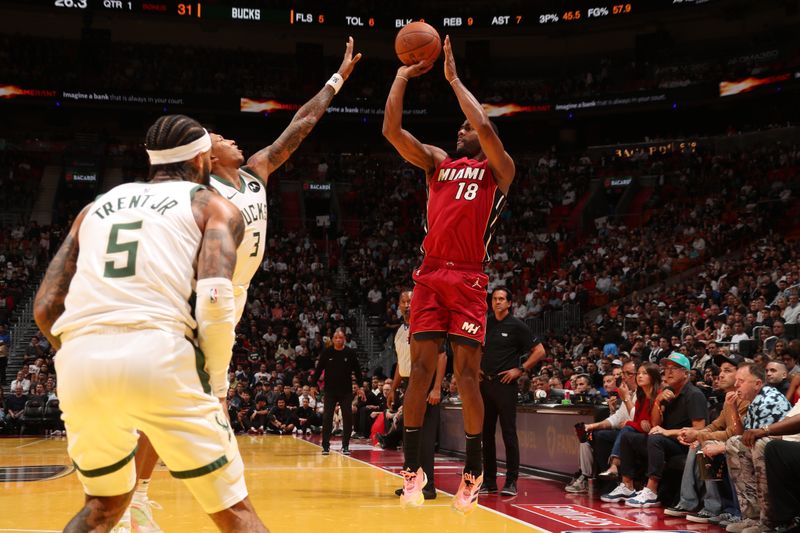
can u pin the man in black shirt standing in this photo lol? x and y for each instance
(339, 364)
(507, 340)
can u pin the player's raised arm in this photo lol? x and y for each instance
(424, 156)
(49, 302)
(223, 229)
(268, 159)
(500, 162)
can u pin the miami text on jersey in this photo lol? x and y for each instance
(453, 174)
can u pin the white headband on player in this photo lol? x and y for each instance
(180, 153)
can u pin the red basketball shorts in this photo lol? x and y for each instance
(449, 298)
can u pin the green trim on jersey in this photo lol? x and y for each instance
(195, 189)
(203, 470)
(105, 470)
(225, 182)
(253, 174)
(200, 364)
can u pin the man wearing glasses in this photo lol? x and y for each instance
(679, 405)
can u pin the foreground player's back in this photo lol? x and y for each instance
(138, 244)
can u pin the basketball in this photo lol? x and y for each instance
(417, 41)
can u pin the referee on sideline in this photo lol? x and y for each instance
(430, 424)
(508, 339)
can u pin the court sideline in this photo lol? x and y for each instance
(292, 486)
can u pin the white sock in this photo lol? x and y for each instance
(141, 489)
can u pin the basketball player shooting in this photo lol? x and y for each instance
(466, 192)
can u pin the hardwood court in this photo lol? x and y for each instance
(292, 486)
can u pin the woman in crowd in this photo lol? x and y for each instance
(648, 385)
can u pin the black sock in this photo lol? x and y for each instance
(474, 462)
(411, 443)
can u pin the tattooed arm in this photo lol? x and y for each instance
(265, 161)
(49, 302)
(223, 229)
(215, 308)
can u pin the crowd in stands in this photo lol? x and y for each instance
(705, 204)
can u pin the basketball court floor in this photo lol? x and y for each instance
(295, 488)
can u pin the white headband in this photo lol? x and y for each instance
(180, 153)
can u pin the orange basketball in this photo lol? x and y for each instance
(417, 42)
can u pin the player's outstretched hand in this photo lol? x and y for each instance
(449, 61)
(349, 62)
(417, 69)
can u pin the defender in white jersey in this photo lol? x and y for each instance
(245, 187)
(115, 303)
(250, 196)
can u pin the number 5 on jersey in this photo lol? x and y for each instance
(470, 194)
(115, 247)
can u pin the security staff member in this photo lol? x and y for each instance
(339, 363)
(430, 424)
(507, 340)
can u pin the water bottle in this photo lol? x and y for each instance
(567, 398)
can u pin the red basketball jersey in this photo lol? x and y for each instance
(464, 204)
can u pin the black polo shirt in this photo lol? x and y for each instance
(506, 341)
(338, 365)
(689, 405)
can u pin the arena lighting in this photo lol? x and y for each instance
(730, 88)
(13, 91)
(256, 105)
(10, 91)
(508, 110)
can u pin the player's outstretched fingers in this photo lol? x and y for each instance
(450, 73)
(349, 62)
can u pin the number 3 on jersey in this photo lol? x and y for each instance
(115, 247)
(257, 235)
(470, 194)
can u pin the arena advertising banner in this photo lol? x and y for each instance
(59, 97)
(7, 92)
(645, 149)
(263, 105)
(260, 105)
(232, 104)
(494, 110)
(753, 83)
(669, 98)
